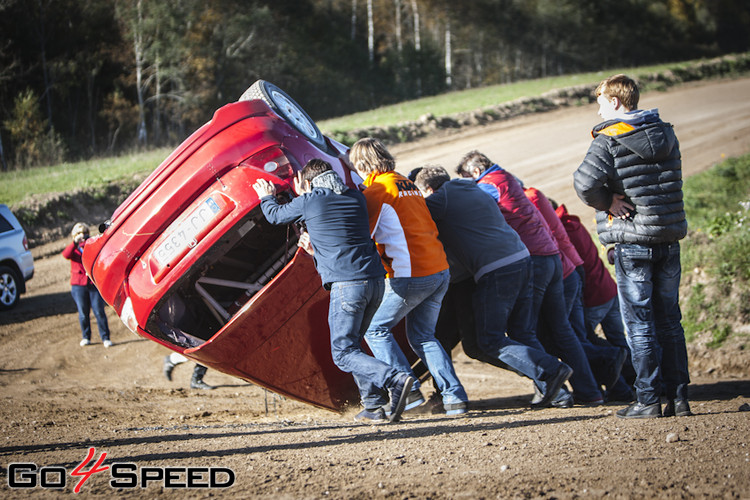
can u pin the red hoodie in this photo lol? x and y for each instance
(73, 253)
(519, 212)
(599, 287)
(568, 253)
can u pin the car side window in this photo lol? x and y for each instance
(5, 225)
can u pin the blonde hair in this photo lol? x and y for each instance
(370, 155)
(622, 87)
(79, 228)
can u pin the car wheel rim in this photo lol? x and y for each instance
(294, 114)
(7, 289)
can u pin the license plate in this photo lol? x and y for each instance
(186, 234)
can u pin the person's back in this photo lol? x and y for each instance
(401, 225)
(599, 287)
(518, 210)
(487, 241)
(568, 252)
(340, 235)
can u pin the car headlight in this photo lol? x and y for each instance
(127, 315)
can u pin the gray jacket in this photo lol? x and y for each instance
(640, 158)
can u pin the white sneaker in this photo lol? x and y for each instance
(107, 343)
(85, 342)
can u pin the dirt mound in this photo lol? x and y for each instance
(49, 217)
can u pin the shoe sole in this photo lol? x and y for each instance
(367, 420)
(637, 416)
(414, 404)
(396, 413)
(455, 413)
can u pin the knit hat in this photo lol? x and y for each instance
(330, 180)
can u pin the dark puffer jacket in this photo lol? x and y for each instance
(640, 158)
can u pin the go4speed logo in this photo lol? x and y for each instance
(121, 474)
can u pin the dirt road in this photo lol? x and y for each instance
(59, 399)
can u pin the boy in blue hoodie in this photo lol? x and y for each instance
(632, 176)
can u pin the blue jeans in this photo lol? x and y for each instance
(502, 303)
(550, 308)
(86, 299)
(601, 356)
(609, 317)
(417, 299)
(648, 281)
(352, 306)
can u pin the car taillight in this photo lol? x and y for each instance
(25, 243)
(273, 161)
(127, 315)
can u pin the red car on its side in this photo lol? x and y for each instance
(189, 261)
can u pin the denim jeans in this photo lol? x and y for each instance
(648, 281)
(417, 299)
(609, 317)
(502, 303)
(549, 307)
(601, 355)
(86, 299)
(352, 306)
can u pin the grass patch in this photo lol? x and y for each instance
(715, 256)
(18, 185)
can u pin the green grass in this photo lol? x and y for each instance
(473, 99)
(715, 254)
(17, 185)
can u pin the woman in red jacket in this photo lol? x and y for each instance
(83, 290)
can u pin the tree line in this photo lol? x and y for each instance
(80, 78)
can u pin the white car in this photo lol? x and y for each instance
(16, 262)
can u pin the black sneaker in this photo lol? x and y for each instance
(564, 399)
(399, 395)
(677, 408)
(374, 416)
(638, 410)
(200, 384)
(413, 401)
(553, 386)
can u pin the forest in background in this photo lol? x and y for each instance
(84, 78)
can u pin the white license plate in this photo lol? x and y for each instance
(185, 235)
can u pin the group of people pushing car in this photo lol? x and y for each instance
(497, 265)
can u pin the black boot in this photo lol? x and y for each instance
(168, 367)
(197, 381)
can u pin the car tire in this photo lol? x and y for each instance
(9, 288)
(287, 108)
